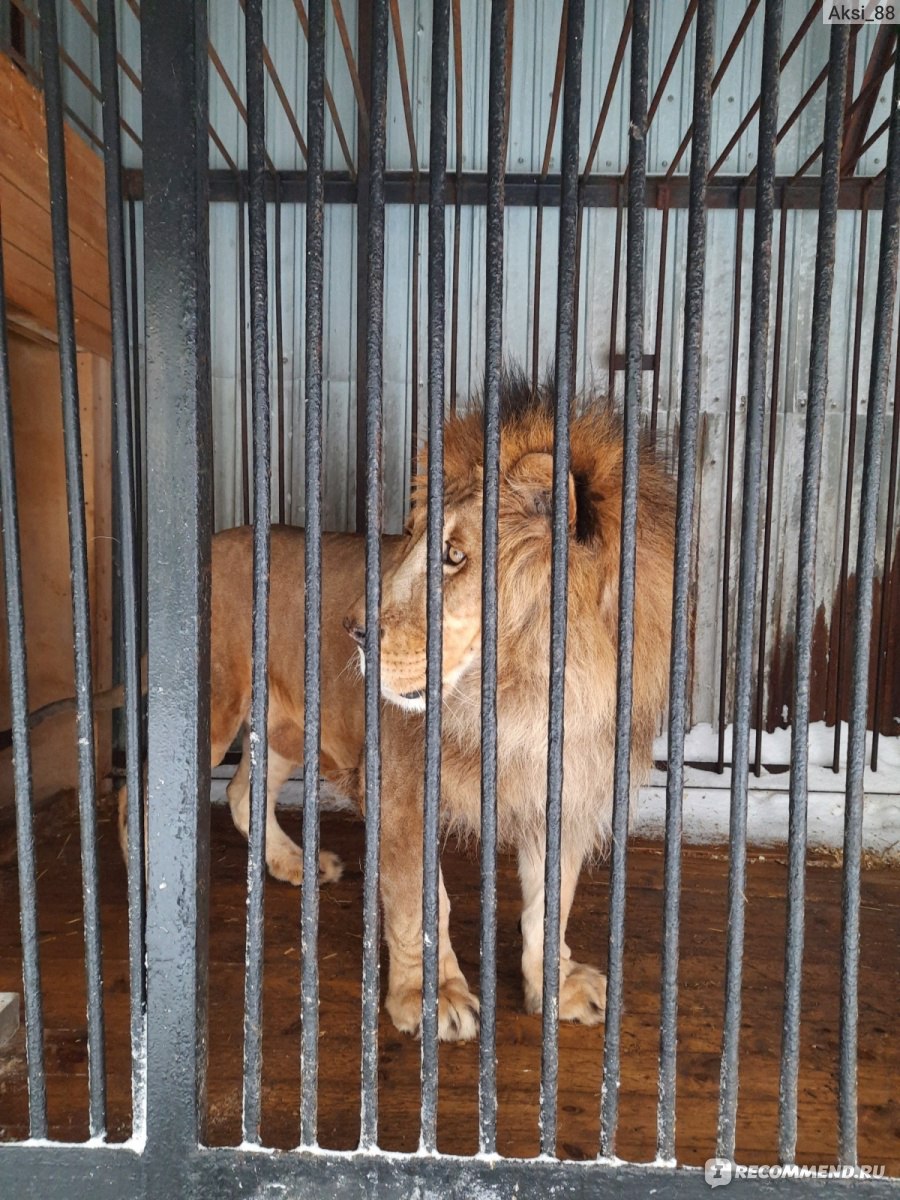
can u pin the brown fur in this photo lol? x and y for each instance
(523, 568)
(595, 503)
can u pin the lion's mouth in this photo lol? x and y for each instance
(417, 695)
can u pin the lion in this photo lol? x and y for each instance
(523, 637)
(523, 576)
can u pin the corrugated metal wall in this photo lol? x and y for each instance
(536, 33)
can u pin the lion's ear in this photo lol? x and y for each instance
(532, 480)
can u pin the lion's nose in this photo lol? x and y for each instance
(357, 632)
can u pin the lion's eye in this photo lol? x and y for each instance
(452, 556)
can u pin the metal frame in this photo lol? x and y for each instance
(165, 1156)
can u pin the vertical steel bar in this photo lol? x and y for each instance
(440, 54)
(614, 311)
(242, 354)
(179, 504)
(457, 205)
(756, 394)
(397, 26)
(137, 426)
(81, 614)
(364, 56)
(862, 635)
(887, 580)
(729, 478)
(329, 96)
(660, 309)
(493, 372)
(759, 704)
(536, 305)
(312, 671)
(634, 354)
(539, 214)
(618, 59)
(566, 312)
(840, 633)
(262, 500)
(283, 459)
(21, 747)
(806, 596)
(129, 565)
(414, 338)
(681, 620)
(373, 505)
(414, 335)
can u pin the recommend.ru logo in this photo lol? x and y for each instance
(718, 1171)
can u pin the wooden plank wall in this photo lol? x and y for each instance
(25, 217)
(37, 423)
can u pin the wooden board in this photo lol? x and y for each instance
(25, 218)
(44, 537)
(581, 1050)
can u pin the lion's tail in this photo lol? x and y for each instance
(103, 702)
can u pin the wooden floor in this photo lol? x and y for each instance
(702, 950)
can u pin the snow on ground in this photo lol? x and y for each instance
(707, 795)
(702, 745)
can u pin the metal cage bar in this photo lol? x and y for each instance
(839, 631)
(727, 521)
(283, 485)
(487, 1059)
(21, 746)
(242, 350)
(539, 216)
(887, 586)
(373, 527)
(440, 69)
(634, 354)
(566, 313)
(456, 18)
(681, 619)
(81, 612)
(862, 635)
(128, 533)
(774, 394)
(812, 465)
(262, 500)
(137, 425)
(756, 389)
(179, 502)
(312, 671)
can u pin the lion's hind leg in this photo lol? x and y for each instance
(284, 857)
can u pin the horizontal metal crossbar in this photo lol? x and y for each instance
(35, 1172)
(532, 190)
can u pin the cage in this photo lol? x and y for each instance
(261, 263)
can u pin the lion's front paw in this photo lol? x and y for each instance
(458, 1011)
(582, 995)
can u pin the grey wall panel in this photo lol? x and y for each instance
(536, 35)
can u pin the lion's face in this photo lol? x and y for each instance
(403, 607)
(524, 528)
